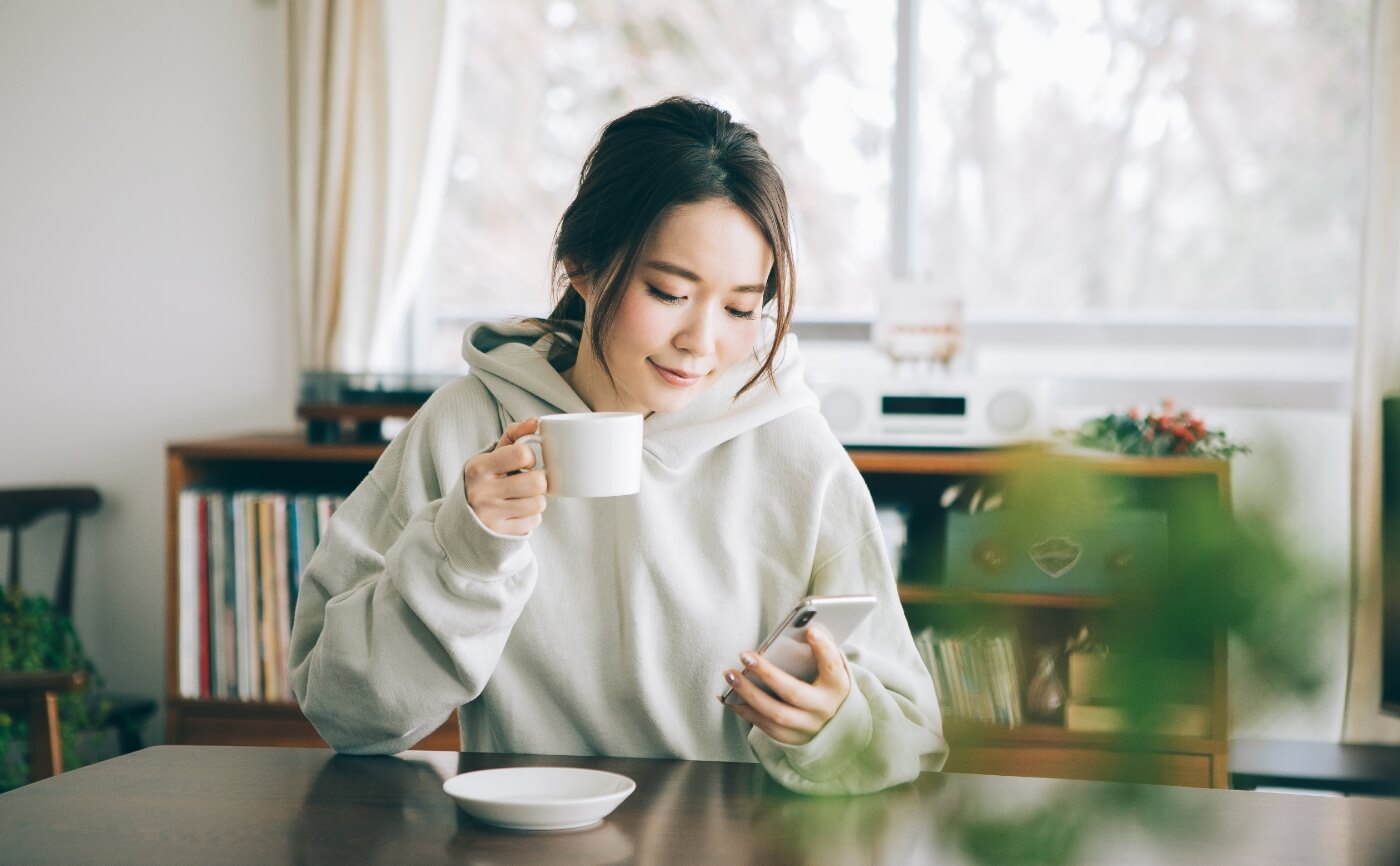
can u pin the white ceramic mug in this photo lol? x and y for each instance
(589, 453)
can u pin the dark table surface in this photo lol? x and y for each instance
(1345, 767)
(212, 804)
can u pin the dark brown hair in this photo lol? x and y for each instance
(679, 151)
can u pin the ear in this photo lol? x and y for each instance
(577, 278)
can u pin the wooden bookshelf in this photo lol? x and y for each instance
(286, 461)
(273, 461)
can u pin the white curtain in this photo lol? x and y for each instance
(1377, 373)
(373, 103)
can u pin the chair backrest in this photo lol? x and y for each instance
(21, 506)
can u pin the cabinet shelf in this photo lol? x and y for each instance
(912, 593)
(287, 461)
(959, 732)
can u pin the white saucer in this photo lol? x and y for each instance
(539, 798)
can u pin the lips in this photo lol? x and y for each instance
(679, 378)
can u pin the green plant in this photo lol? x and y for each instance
(35, 637)
(1169, 432)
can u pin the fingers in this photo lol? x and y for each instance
(784, 735)
(507, 498)
(787, 687)
(797, 710)
(505, 469)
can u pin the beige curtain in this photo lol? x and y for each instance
(373, 102)
(1377, 373)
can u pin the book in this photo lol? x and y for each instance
(269, 631)
(976, 674)
(251, 579)
(188, 672)
(218, 658)
(202, 562)
(282, 592)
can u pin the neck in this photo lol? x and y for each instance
(591, 383)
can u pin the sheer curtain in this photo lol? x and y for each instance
(1377, 372)
(373, 111)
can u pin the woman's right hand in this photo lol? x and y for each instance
(507, 499)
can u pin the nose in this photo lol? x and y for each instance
(697, 334)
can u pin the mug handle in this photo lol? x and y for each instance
(533, 441)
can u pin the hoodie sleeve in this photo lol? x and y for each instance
(408, 601)
(889, 728)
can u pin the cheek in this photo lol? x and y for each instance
(635, 321)
(738, 341)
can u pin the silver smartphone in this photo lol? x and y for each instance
(787, 646)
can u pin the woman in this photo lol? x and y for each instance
(608, 626)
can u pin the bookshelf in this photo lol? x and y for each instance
(912, 478)
(261, 462)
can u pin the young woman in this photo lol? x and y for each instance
(447, 582)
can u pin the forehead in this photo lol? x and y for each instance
(716, 240)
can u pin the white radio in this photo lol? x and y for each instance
(934, 411)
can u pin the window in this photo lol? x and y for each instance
(1128, 156)
(1053, 157)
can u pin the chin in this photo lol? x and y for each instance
(669, 400)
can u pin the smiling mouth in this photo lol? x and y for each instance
(675, 377)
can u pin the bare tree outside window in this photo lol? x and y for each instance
(541, 77)
(1153, 155)
(1071, 157)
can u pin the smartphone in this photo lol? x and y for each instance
(787, 646)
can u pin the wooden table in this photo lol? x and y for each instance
(213, 804)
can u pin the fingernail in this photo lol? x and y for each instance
(731, 677)
(748, 659)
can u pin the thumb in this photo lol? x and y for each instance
(518, 429)
(831, 661)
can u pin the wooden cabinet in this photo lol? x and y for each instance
(914, 479)
(275, 462)
(1186, 490)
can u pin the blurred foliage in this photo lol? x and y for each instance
(1234, 576)
(35, 637)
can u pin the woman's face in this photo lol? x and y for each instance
(690, 313)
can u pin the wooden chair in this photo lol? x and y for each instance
(37, 692)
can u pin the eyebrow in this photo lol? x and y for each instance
(686, 274)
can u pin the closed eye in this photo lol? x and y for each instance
(667, 298)
(662, 296)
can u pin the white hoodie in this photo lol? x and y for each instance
(606, 630)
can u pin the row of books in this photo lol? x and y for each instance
(242, 554)
(977, 674)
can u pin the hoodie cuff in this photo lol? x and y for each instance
(473, 550)
(841, 740)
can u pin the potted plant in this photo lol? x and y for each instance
(1166, 432)
(35, 637)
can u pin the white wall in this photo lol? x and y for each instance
(144, 273)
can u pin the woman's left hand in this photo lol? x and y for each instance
(801, 709)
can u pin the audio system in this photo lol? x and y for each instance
(937, 411)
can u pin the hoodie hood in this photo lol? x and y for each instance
(512, 359)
